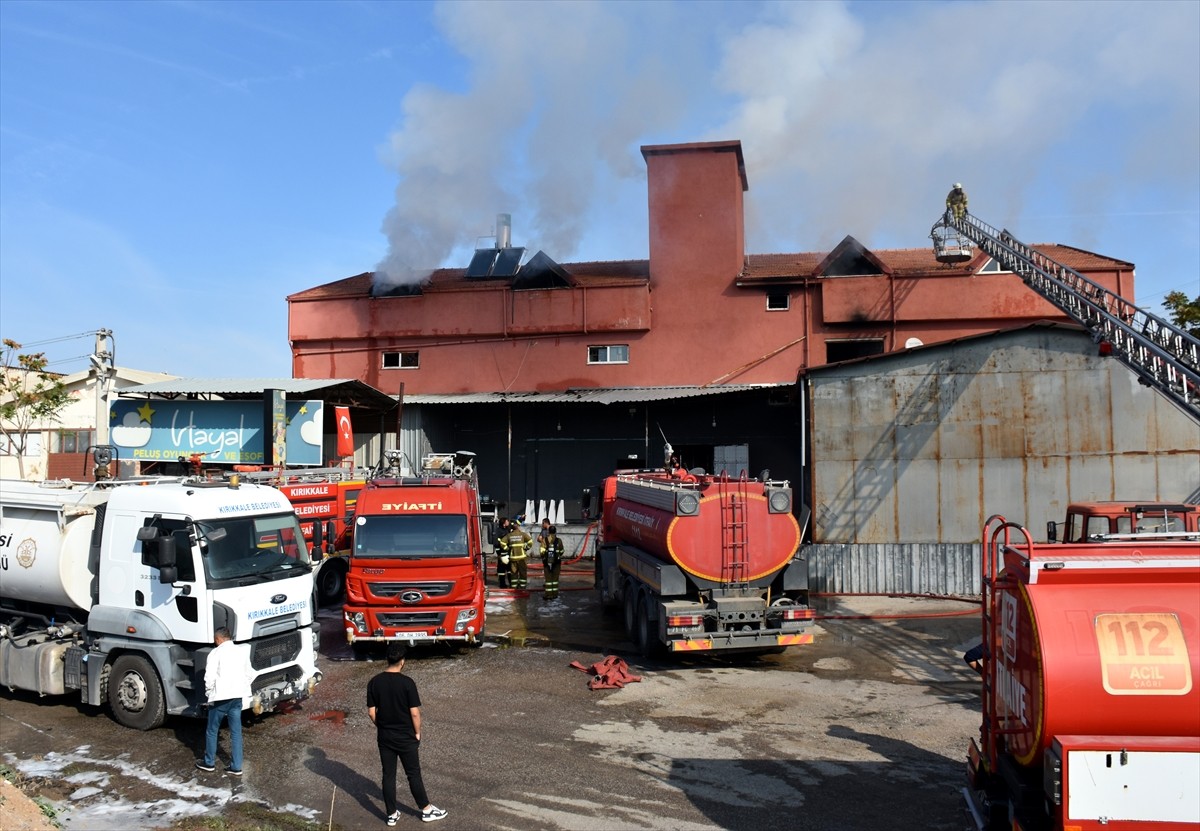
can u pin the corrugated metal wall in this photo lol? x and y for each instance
(894, 568)
(912, 452)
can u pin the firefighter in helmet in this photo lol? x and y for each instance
(500, 544)
(516, 546)
(956, 201)
(552, 557)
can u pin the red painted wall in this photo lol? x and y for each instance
(690, 323)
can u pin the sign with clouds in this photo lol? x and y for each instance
(223, 432)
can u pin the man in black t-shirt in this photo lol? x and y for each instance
(394, 707)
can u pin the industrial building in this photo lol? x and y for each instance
(557, 373)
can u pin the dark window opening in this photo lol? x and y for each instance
(848, 350)
(401, 360)
(778, 301)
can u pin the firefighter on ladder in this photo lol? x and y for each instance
(552, 557)
(514, 547)
(956, 201)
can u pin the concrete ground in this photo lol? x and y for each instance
(866, 728)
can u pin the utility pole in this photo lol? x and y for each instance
(102, 361)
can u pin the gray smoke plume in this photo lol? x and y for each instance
(854, 120)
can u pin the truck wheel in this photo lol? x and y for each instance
(631, 605)
(646, 638)
(135, 693)
(331, 583)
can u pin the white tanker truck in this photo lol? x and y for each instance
(114, 590)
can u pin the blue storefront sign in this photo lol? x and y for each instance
(223, 432)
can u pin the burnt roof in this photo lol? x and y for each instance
(758, 269)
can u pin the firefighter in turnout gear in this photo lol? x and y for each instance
(552, 557)
(516, 546)
(503, 565)
(956, 201)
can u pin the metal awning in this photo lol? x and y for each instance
(340, 391)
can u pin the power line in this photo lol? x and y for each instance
(60, 339)
(65, 360)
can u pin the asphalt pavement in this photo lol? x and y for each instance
(866, 728)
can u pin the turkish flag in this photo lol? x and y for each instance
(345, 440)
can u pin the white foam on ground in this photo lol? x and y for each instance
(91, 809)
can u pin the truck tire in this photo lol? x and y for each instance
(331, 582)
(631, 606)
(646, 638)
(135, 693)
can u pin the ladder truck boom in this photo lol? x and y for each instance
(1163, 356)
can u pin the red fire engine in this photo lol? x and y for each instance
(416, 562)
(324, 501)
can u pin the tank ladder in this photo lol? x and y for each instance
(997, 537)
(735, 551)
(1163, 356)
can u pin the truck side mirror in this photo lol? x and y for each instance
(318, 536)
(159, 552)
(585, 504)
(1051, 531)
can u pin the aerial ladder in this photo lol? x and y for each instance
(1163, 356)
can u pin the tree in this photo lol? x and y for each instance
(1184, 313)
(29, 395)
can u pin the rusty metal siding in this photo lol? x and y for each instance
(894, 568)
(920, 447)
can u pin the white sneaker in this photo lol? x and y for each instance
(393, 818)
(432, 814)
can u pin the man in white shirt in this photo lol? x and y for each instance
(227, 677)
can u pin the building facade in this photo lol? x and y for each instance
(559, 372)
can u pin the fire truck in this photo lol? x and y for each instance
(1091, 703)
(700, 562)
(416, 565)
(1108, 521)
(1164, 356)
(324, 501)
(1091, 646)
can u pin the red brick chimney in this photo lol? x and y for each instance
(697, 220)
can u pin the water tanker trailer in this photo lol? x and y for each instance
(700, 562)
(1091, 711)
(112, 591)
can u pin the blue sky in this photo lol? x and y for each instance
(173, 170)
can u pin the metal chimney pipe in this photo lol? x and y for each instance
(503, 230)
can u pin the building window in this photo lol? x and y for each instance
(615, 354)
(71, 441)
(401, 360)
(848, 350)
(993, 267)
(12, 447)
(778, 301)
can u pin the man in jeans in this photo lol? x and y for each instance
(394, 707)
(227, 677)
